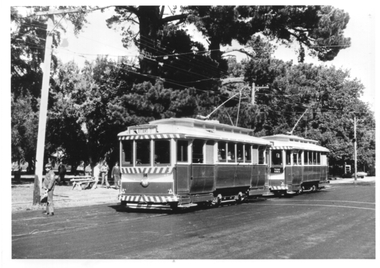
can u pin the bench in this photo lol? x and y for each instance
(82, 182)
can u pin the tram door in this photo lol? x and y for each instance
(202, 167)
(277, 176)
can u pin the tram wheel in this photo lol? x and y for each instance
(300, 191)
(239, 198)
(217, 200)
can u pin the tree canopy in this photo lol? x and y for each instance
(179, 77)
(318, 28)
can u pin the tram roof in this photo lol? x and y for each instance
(290, 142)
(190, 128)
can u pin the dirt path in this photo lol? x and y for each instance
(64, 196)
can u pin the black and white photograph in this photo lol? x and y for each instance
(185, 134)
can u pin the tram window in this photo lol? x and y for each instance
(305, 157)
(247, 153)
(318, 158)
(231, 152)
(162, 152)
(277, 157)
(295, 158)
(300, 158)
(262, 156)
(221, 151)
(182, 151)
(240, 152)
(314, 158)
(198, 151)
(142, 152)
(127, 152)
(288, 157)
(209, 157)
(255, 155)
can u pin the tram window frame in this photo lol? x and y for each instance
(262, 156)
(141, 161)
(124, 153)
(295, 158)
(314, 158)
(288, 157)
(255, 154)
(306, 157)
(300, 158)
(182, 155)
(162, 153)
(277, 154)
(199, 159)
(222, 156)
(247, 153)
(231, 157)
(240, 151)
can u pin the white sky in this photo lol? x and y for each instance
(97, 38)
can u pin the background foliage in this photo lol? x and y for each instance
(89, 106)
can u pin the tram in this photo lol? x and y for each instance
(182, 162)
(296, 164)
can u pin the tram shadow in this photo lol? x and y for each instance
(180, 210)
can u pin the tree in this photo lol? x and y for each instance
(325, 97)
(28, 34)
(319, 28)
(24, 129)
(91, 106)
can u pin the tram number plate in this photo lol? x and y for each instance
(277, 170)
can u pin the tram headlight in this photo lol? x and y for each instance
(144, 183)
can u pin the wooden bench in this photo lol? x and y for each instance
(82, 182)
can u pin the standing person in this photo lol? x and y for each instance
(80, 169)
(61, 173)
(17, 172)
(115, 174)
(104, 171)
(96, 175)
(48, 185)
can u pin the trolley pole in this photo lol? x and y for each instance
(43, 115)
(355, 152)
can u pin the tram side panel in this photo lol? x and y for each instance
(182, 183)
(293, 177)
(232, 179)
(258, 180)
(202, 179)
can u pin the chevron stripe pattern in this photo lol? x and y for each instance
(281, 148)
(146, 170)
(150, 136)
(148, 198)
(279, 187)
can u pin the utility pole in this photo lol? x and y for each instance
(43, 115)
(45, 96)
(253, 93)
(355, 151)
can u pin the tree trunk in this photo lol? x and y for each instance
(150, 23)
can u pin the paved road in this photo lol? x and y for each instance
(336, 223)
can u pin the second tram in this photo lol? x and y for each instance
(296, 164)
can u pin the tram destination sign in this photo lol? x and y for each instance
(142, 129)
(277, 170)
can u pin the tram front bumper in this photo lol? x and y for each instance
(142, 198)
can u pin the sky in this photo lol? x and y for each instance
(359, 59)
